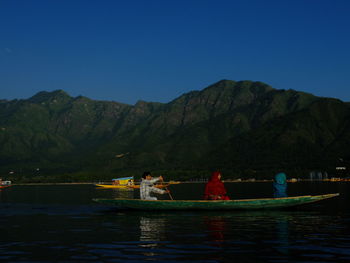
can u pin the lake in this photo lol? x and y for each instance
(61, 223)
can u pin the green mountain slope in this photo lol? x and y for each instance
(314, 138)
(236, 126)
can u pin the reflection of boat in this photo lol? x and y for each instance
(243, 204)
(121, 193)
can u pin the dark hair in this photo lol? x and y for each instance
(145, 174)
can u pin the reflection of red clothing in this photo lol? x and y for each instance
(217, 227)
(215, 189)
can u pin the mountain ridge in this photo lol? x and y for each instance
(78, 135)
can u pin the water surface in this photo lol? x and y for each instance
(61, 223)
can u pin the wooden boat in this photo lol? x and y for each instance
(5, 184)
(119, 183)
(243, 204)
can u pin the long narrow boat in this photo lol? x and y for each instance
(120, 183)
(243, 204)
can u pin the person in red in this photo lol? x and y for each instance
(215, 189)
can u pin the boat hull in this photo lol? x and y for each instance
(244, 204)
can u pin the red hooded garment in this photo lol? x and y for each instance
(215, 189)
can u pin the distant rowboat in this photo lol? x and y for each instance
(243, 204)
(119, 183)
(5, 184)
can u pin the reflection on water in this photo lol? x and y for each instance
(216, 226)
(123, 193)
(3, 192)
(282, 233)
(62, 224)
(151, 231)
(115, 193)
(247, 235)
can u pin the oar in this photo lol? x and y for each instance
(166, 188)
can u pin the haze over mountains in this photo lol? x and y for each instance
(244, 128)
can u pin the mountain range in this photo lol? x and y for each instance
(243, 128)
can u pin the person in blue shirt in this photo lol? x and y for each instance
(280, 185)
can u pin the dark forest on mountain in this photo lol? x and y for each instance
(245, 129)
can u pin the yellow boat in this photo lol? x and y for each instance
(119, 183)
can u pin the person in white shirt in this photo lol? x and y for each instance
(146, 187)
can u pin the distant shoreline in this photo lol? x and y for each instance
(191, 182)
(50, 183)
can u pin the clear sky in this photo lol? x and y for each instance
(156, 50)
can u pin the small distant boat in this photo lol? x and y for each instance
(120, 183)
(243, 204)
(5, 184)
(292, 180)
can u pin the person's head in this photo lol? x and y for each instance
(147, 175)
(280, 178)
(216, 175)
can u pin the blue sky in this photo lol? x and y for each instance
(156, 50)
